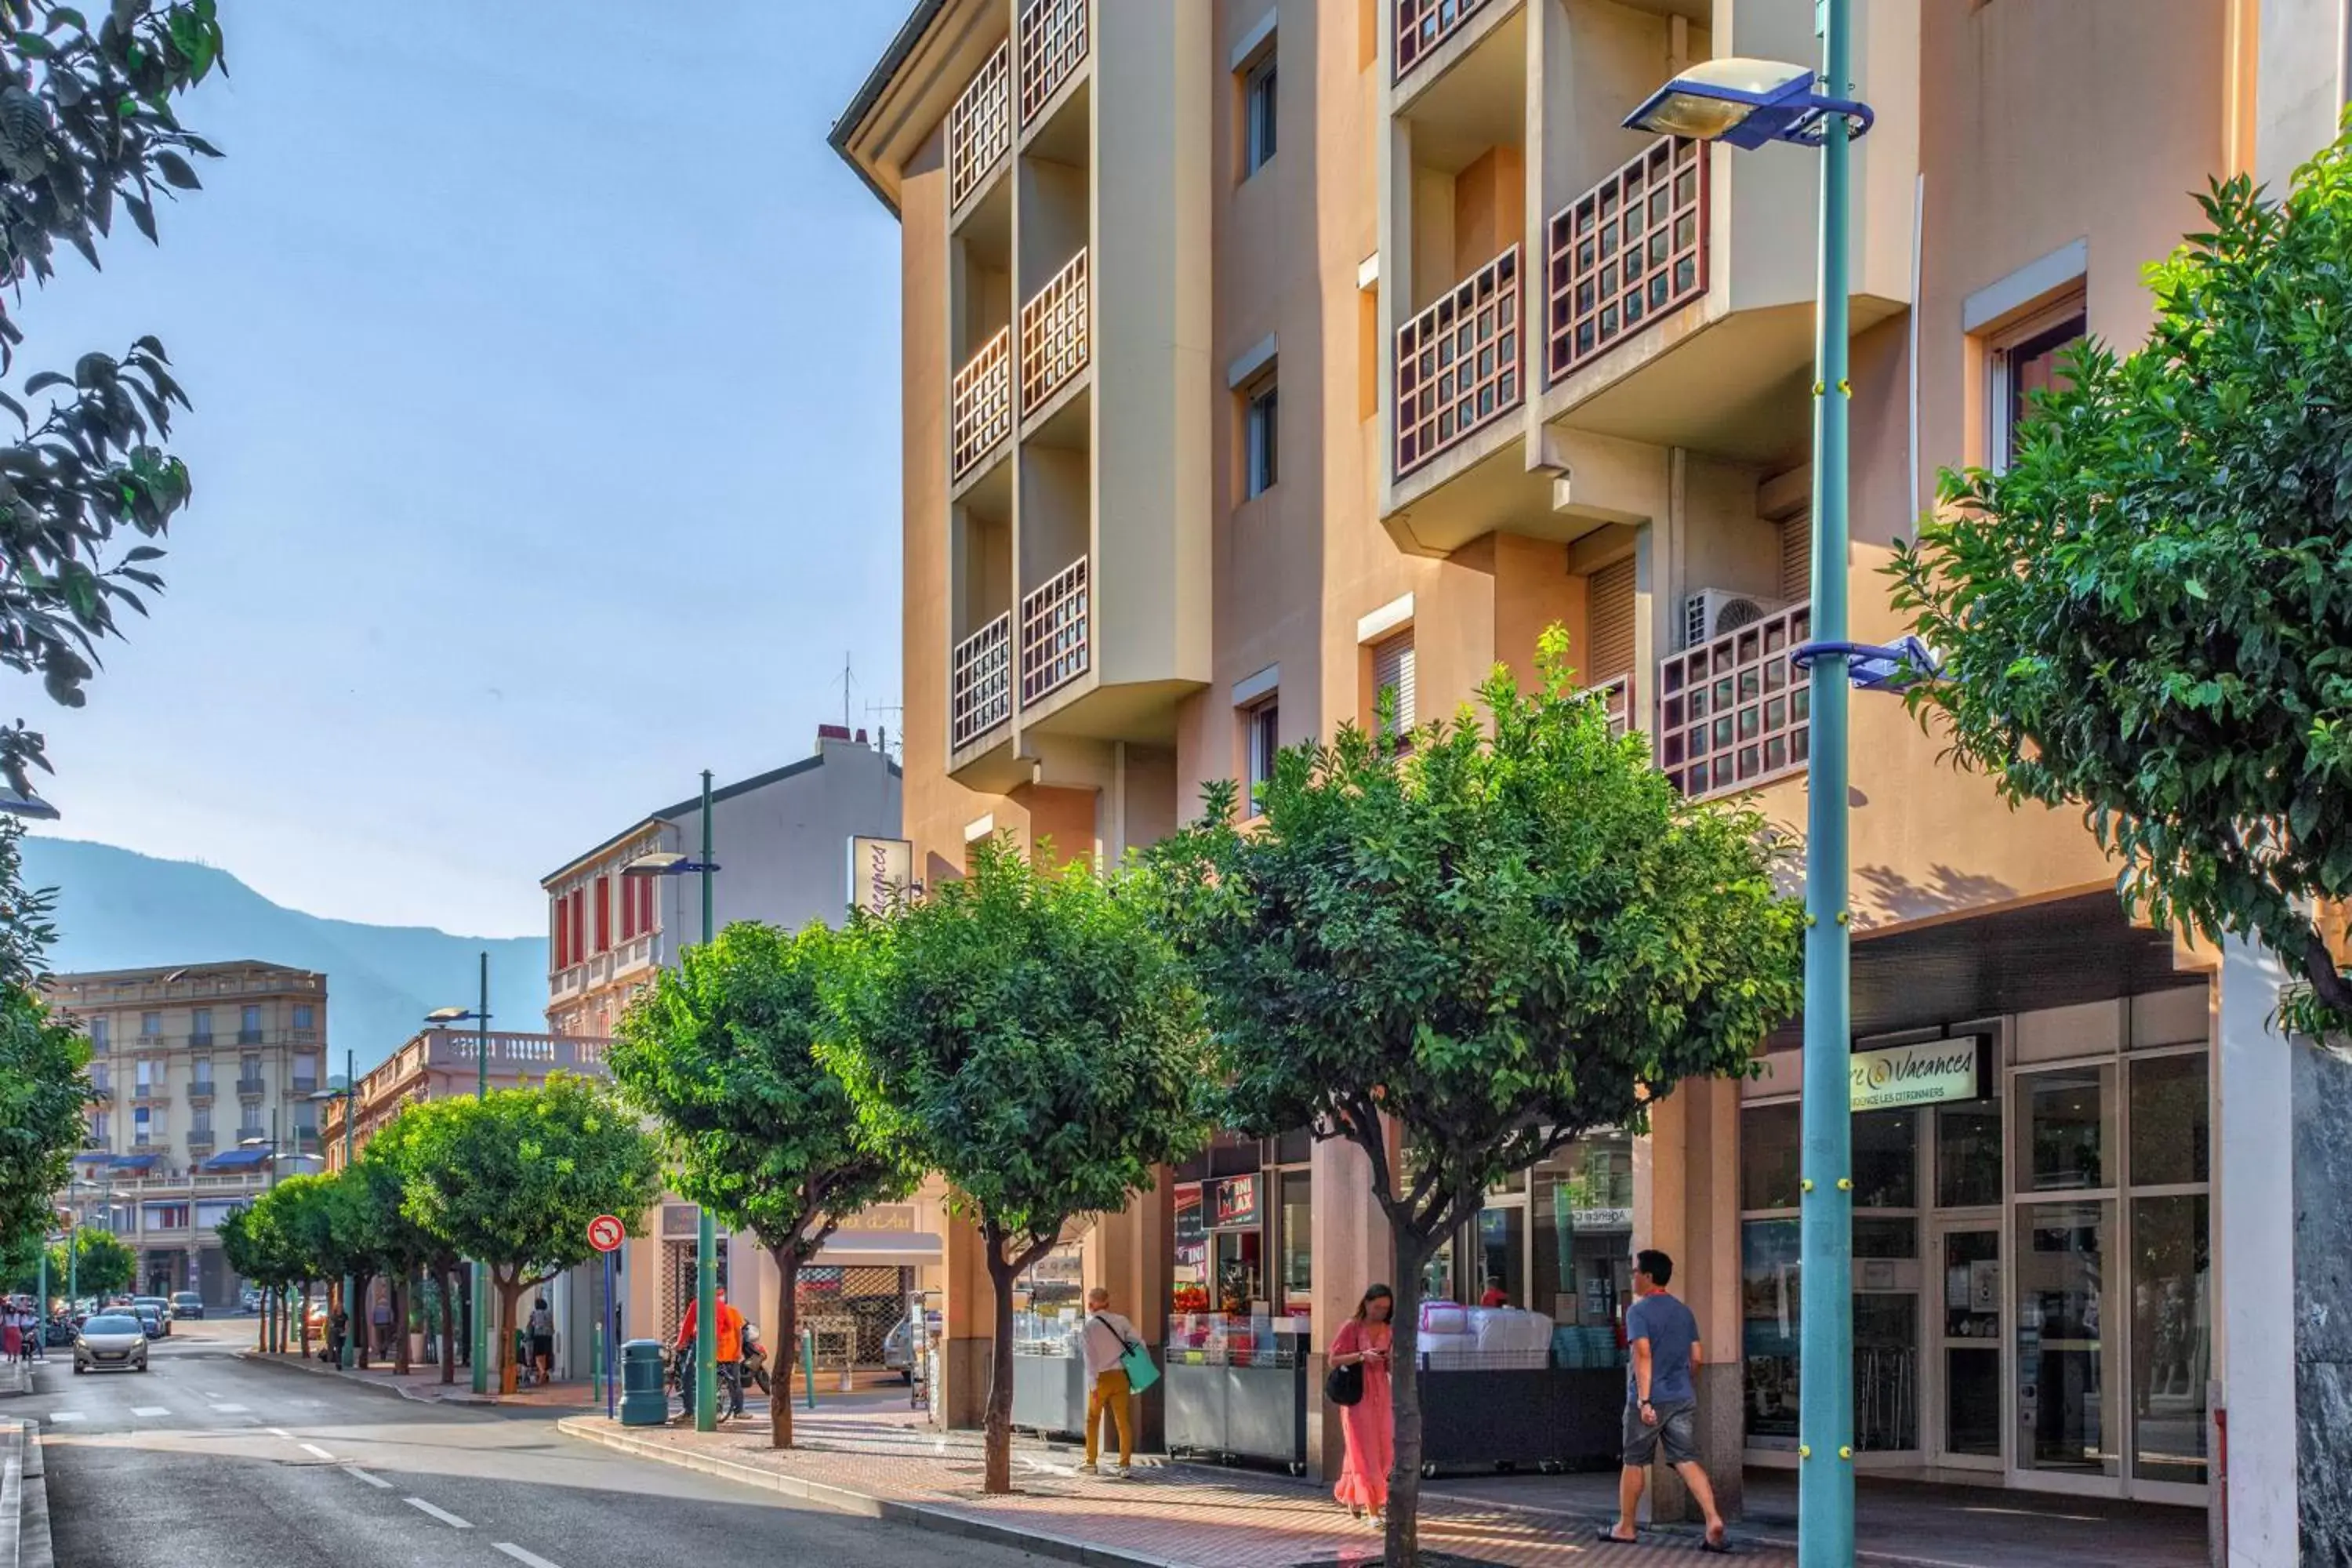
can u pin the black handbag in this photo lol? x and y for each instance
(1345, 1384)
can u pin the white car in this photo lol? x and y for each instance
(110, 1339)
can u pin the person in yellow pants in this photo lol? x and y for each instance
(1106, 1337)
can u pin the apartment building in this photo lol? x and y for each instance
(202, 1077)
(1260, 355)
(439, 1064)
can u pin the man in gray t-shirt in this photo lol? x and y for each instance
(1661, 1400)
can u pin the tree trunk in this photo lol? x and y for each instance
(398, 1284)
(356, 1327)
(997, 1429)
(784, 1348)
(509, 1295)
(449, 1293)
(261, 1327)
(1402, 1547)
(464, 1276)
(306, 1320)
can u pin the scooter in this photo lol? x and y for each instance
(755, 1359)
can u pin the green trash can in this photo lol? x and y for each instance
(645, 1400)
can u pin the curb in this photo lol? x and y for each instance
(24, 1498)
(459, 1394)
(924, 1516)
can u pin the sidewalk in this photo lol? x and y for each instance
(424, 1384)
(1169, 1516)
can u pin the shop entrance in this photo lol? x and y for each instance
(1964, 1427)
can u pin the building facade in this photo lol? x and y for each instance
(202, 1075)
(1259, 356)
(442, 1063)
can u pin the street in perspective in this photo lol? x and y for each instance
(1176, 783)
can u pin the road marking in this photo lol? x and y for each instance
(528, 1558)
(372, 1480)
(66, 1415)
(151, 1410)
(442, 1514)
(281, 1432)
(314, 1448)
(230, 1410)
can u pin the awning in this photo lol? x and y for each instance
(238, 1159)
(132, 1161)
(877, 1250)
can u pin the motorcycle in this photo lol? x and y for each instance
(755, 1359)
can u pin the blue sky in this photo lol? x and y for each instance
(544, 359)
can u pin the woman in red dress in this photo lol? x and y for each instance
(1369, 1424)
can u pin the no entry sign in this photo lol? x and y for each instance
(605, 1233)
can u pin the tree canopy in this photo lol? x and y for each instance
(1509, 933)
(721, 1051)
(42, 1098)
(1026, 1034)
(2148, 613)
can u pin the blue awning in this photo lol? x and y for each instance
(132, 1161)
(238, 1159)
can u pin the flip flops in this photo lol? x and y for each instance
(1720, 1547)
(1609, 1534)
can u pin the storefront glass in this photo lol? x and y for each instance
(1971, 1331)
(2171, 1336)
(2066, 1260)
(2064, 1142)
(1581, 1225)
(1502, 1255)
(1298, 1241)
(2169, 1130)
(1771, 1157)
(1768, 1282)
(1189, 1276)
(1968, 1155)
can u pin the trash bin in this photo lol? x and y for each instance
(645, 1401)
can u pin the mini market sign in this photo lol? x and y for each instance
(1930, 1073)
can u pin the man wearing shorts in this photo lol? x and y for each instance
(1661, 1401)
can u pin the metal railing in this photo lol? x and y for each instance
(1055, 644)
(1054, 335)
(252, 1087)
(979, 126)
(248, 1036)
(1053, 45)
(982, 408)
(200, 1092)
(1627, 252)
(1457, 363)
(1733, 713)
(1423, 24)
(979, 682)
(306, 1086)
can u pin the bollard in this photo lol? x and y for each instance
(808, 1367)
(645, 1402)
(596, 1368)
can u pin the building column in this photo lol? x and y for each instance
(1352, 1249)
(1686, 1204)
(1131, 1254)
(967, 1324)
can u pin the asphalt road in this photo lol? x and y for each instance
(209, 1461)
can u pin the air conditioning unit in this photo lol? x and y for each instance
(1709, 612)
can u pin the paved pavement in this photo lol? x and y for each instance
(213, 1461)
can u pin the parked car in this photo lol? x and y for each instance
(113, 1340)
(148, 1317)
(896, 1350)
(248, 1300)
(187, 1304)
(162, 1305)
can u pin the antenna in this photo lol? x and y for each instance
(849, 682)
(882, 735)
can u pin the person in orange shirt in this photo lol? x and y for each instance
(728, 1336)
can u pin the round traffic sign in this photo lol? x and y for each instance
(605, 1233)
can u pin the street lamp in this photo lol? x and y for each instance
(706, 1234)
(441, 1018)
(277, 1156)
(26, 803)
(349, 1095)
(1749, 104)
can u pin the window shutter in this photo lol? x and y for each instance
(603, 914)
(1610, 611)
(1392, 671)
(1796, 558)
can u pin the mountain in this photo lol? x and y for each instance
(119, 909)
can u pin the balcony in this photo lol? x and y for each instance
(1054, 332)
(1733, 713)
(1616, 696)
(150, 1094)
(252, 1134)
(200, 1093)
(306, 1085)
(251, 1088)
(1053, 47)
(200, 1144)
(248, 1036)
(984, 401)
(202, 1042)
(1629, 250)
(1457, 363)
(979, 682)
(980, 127)
(1055, 645)
(1423, 24)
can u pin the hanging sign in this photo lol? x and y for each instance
(1930, 1073)
(1233, 1202)
(881, 873)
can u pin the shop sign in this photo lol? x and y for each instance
(1929, 1073)
(1233, 1202)
(881, 873)
(1602, 1219)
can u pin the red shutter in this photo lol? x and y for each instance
(628, 911)
(579, 925)
(562, 933)
(645, 905)
(603, 914)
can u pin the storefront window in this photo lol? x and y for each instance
(2172, 1336)
(1581, 1222)
(1769, 1278)
(1771, 1157)
(1971, 1318)
(2062, 1128)
(2170, 1134)
(1968, 1155)
(1887, 1160)
(2066, 1258)
(1298, 1238)
(1885, 1371)
(1878, 1236)
(1188, 1277)
(1502, 1255)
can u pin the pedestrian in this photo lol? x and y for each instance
(1496, 1295)
(1369, 1424)
(1662, 1399)
(1106, 1340)
(542, 1340)
(338, 1326)
(380, 1320)
(727, 1353)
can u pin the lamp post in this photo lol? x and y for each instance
(479, 1338)
(1749, 104)
(349, 1095)
(706, 1236)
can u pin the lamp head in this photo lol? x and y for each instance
(447, 1015)
(1746, 103)
(661, 863)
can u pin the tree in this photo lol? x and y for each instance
(297, 1218)
(721, 1052)
(42, 1097)
(1026, 1034)
(513, 1179)
(86, 123)
(1506, 936)
(253, 1244)
(396, 1246)
(100, 1262)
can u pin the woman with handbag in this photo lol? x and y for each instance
(1359, 1368)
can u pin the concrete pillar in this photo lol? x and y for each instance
(1686, 1204)
(1351, 1250)
(1130, 1253)
(967, 1327)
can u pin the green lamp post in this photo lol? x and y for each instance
(479, 1339)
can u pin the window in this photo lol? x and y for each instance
(248, 1023)
(645, 903)
(151, 1025)
(628, 901)
(579, 925)
(143, 1075)
(200, 1123)
(303, 1016)
(2025, 360)
(1265, 722)
(97, 1034)
(1392, 685)
(200, 1024)
(306, 1074)
(142, 1125)
(603, 914)
(562, 932)
(99, 1076)
(1261, 437)
(102, 1127)
(165, 1217)
(1259, 98)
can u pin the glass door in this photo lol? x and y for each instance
(1967, 1324)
